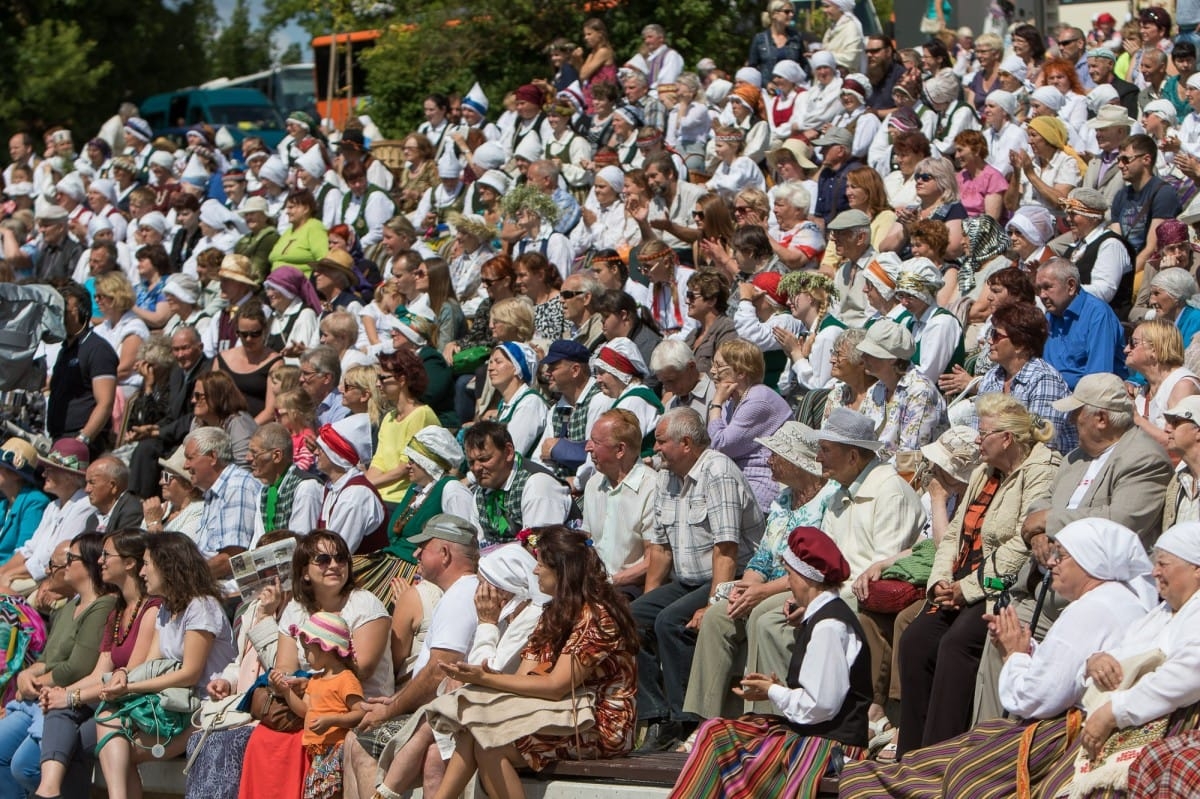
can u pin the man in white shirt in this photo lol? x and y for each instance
(665, 63)
(618, 503)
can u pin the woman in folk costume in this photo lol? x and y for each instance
(947, 115)
(619, 369)
(821, 103)
(474, 115)
(1101, 567)
(311, 172)
(565, 144)
(733, 171)
(856, 116)
(937, 332)
(512, 370)
(790, 84)
(626, 121)
(440, 200)
(609, 226)
(746, 105)
(822, 705)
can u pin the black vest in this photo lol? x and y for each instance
(849, 726)
(1122, 301)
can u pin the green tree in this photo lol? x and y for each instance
(58, 74)
(239, 49)
(294, 54)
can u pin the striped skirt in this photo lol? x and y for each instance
(756, 756)
(979, 764)
(376, 571)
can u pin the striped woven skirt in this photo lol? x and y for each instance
(979, 764)
(376, 571)
(757, 756)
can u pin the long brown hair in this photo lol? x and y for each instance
(581, 580)
(184, 571)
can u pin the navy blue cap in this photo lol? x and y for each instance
(566, 350)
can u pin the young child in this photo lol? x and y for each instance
(326, 702)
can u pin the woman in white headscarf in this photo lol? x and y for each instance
(608, 225)
(1102, 568)
(220, 229)
(509, 606)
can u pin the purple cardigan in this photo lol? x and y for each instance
(760, 413)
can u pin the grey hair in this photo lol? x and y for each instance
(214, 441)
(466, 552)
(943, 174)
(655, 28)
(114, 469)
(547, 168)
(156, 351)
(1120, 420)
(794, 194)
(1177, 282)
(852, 336)
(686, 423)
(588, 282)
(1061, 269)
(671, 353)
(324, 360)
(637, 77)
(188, 330)
(273, 435)
(1158, 56)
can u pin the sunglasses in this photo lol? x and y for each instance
(323, 559)
(874, 50)
(250, 333)
(923, 176)
(1126, 160)
(198, 395)
(697, 214)
(491, 281)
(995, 335)
(570, 295)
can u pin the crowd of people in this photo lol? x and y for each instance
(836, 416)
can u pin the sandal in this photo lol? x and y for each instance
(688, 744)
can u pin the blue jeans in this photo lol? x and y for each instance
(20, 754)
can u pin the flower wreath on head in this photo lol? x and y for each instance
(529, 540)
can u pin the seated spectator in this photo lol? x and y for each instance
(320, 372)
(305, 240)
(618, 502)
(1155, 351)
(1171, 292)
(192, 630)
(128, 633)
(249, 365)
(414, 331)
(982, 542)
(622, 374)
(295, 306)
(743, 410)
(800, 241)
(1046, 173)
(448, 551)
(511, 492)
(334, 278)
(69, 514)
(904, 404)
(981, 186)
(937, 333)
(1085, 335)
(568, 423)
(149, 404)
(708, 305)
(290, 498)
(23, 501)
(1101, 568)
(937, 198)
(822, 704)
(120, 327)
(275, 762)
(184, 297)
(602, 638)
(512, 371)
(851, 233)
(668, 287)
(690, 555)
(217, 402)
(624, 317)
(1004, 286)
(579, 293)
(731, 170)
(352, 507)
(70, 654)
(612, 272)
(533, 213)
(258, 244)
(753, 610)
(404, 382)
(1103, 258)
(811, 296)
(763, 307)
(433, 279)
(850, 381)
(106, 482)
(1017, 337)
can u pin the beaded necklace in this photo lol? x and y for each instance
(119, 639)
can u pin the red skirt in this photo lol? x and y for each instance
(274, 766)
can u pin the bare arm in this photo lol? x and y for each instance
(104, 389)
(658, 566)
(724, 559)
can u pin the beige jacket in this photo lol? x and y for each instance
(1004, 552)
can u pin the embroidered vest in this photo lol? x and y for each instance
(373, 540)
(1084, 258)
(285, 495)
(359, 225)
(505, 413)
(500, 514)
(408, 520)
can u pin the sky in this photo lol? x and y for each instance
(289, 34)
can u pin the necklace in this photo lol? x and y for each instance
(118, 638)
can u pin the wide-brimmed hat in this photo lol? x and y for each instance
(68, 454)
(329, 631)
(255, 205)
(337, 262)
(1111, 116)
(238, 269)
(473, 225)
(19, 456)
(955, 451)
(174, 464)
(798, 148)
(849, 427)
(797, 444)
(886, 339)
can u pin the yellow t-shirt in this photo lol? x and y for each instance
(394, 435)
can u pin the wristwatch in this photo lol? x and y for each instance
(86, 439)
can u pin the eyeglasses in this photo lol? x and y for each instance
(491, 281)
(923, 176)
(1126, 160)
(104, 297)
(52, 567)
(1058, 554)
(1134, 343)
(73, 558)
(105, 554)
(244, 334)
(1062, 42)
(742, 209)
(567, 294)
(995, 335)
(306, 376)
(386, 377)
(983, 434)
(693, 295)
(323, 559)
(789, 12)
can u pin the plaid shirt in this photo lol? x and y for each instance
(228, 516)
(1037, 385)
(713, 504)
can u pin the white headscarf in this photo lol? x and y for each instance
(1112, 552)
(1182, 541)
(510, 568)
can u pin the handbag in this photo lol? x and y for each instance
(215, 715)
(269, 708)
(468, 360)
(890, 596)
(931, 25)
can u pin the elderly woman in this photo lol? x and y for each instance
(822, 708)
(121, 327)
(608, 225)
(1171, 296)
(909, 148)
(533, 213)
(184, 297)
(856, 116)
(743, 409)
(688, 123)
(708, 303)
(800, 243)
(294, 305)
(1155, 351)
(620, 370)
(1101, 568)
(512, 371)
(733, 171)
(306, 240)
(981, 187)
(905, 405)
(937, 198)
(754, 607)
(879, 285)
(940, 650)
(419, 173)
(668, 287)
(810, 296)
(220, 229)
(937, 333)
(1046, 177)
(261, 237)
(850, 382)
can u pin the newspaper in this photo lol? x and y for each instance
(254, 570)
